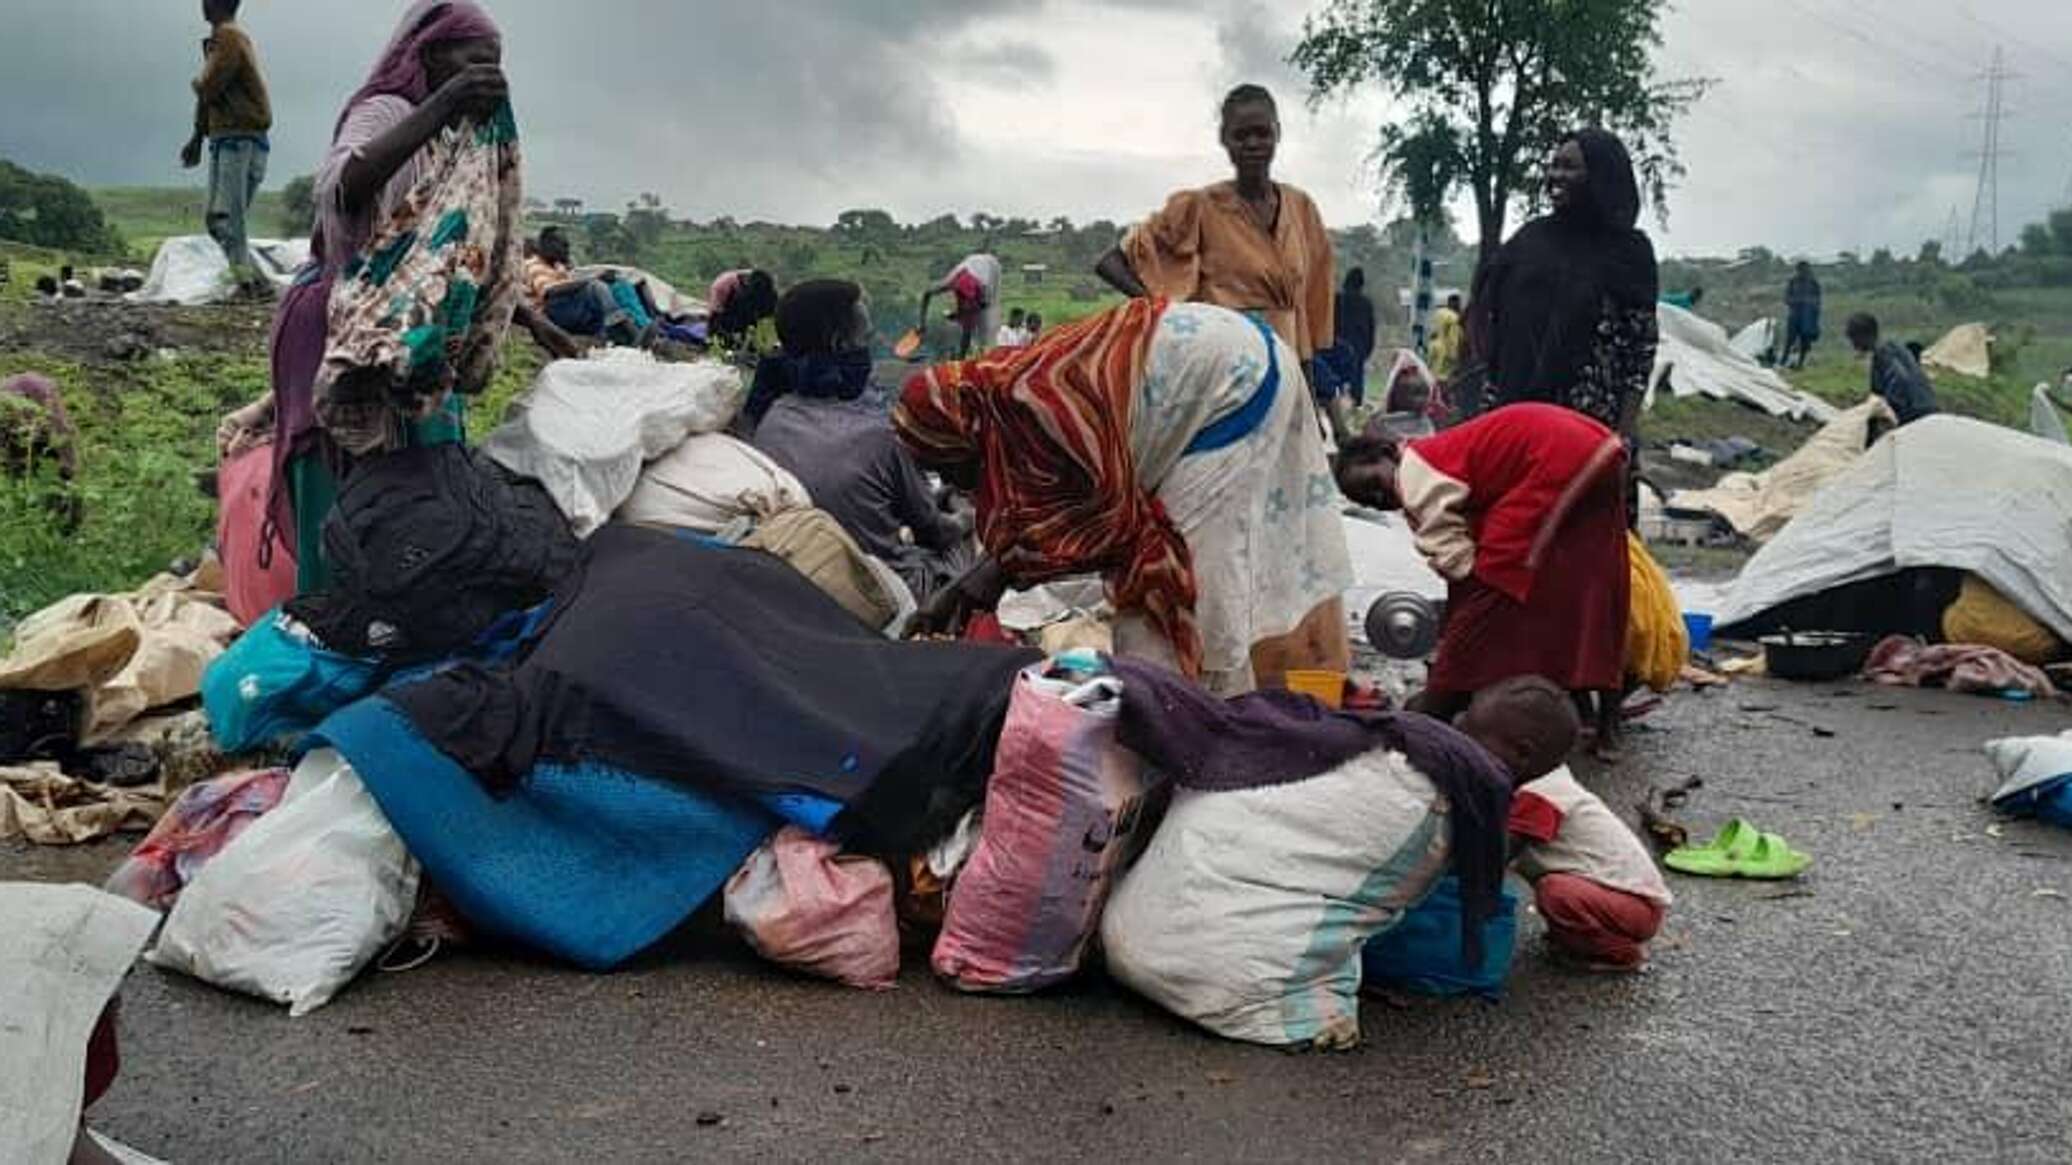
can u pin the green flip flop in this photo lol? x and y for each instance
(1719, 858)
(1773, 859)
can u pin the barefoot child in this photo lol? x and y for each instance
(1594, 882)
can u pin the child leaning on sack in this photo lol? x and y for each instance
(1593, 880)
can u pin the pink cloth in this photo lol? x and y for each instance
(722, 292)
(1906, 662)
(207, 817)
(1596, 922)
(258, 572)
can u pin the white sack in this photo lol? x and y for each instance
(302, 900)
(1247, 912)
(190, 270)
(585, 427)
(709, 481)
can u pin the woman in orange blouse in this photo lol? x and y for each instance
(1259, 247)
(1251, 244)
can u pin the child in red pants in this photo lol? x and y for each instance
(1594, 882)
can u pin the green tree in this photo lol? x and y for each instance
(299, 207)
(866, 225)
(646, 222)
(2037, 241)
(609, 241)
(44, 210)
(1490, 86)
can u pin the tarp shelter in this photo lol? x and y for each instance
(1695, 358)
(1944, 491)
(190, 270)
(1966, 350)
(1758, 505)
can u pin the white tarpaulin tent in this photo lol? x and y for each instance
(190, 270)
(1944, 491)
(1695, 358)
(1966, 350)
(1758, 505)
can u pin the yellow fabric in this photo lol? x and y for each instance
(126, 653)
(1657, 646)
(1982, 615)
(816, 546)
(1449, 337)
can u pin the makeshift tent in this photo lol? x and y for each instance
(1695, 358)
(1758, 505)
(190, 270)
(1943, 492)
(1966, 350)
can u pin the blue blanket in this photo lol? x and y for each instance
(587, 863)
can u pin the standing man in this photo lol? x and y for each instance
(975, 283)
(1801, 314)
(1354, 320)
(232, 115)
(1895, 374)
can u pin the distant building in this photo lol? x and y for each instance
(1035, 272)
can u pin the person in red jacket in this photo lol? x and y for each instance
(1523, 511)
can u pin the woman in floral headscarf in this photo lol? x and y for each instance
(428, 133)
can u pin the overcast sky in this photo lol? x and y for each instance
(1829, 129)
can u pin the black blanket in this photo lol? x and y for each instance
(727, 670)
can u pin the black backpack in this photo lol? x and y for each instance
(430, 546)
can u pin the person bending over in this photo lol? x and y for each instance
(1593, 880)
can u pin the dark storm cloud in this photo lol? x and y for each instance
(1826, 132)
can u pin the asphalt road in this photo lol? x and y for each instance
(1910, 999)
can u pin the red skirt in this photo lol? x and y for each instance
(1572, 627)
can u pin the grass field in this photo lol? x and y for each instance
(146, 425)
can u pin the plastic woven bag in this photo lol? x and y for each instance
(1061, 809)
(802, 903)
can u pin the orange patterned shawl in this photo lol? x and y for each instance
(1050, 426)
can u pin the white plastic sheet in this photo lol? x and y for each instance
(586, 427)
(1695, 358)
(190, 270)
(64, 952)
(1943, 491)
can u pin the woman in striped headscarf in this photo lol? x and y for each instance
(1169, 447)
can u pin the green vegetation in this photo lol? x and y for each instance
(144, 429)
(1914, 299)
(146, 425)
(45, 210)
